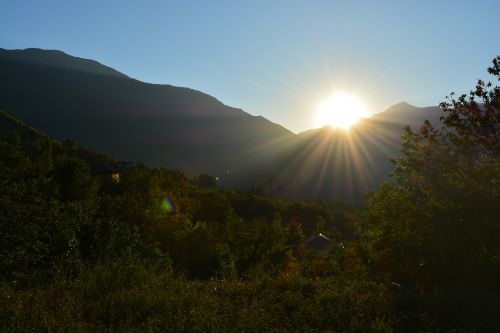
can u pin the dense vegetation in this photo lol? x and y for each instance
(174, 127)
(157, 251)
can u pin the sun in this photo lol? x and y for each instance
(341, 110)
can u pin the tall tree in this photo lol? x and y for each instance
(437, 224)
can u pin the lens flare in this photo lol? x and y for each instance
(166, 206)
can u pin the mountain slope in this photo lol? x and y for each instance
(344, 165)
(160, 125)
(173, 127)
(58, 59)
(36, 144)
(404, 114)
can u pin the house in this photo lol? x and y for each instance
(319, 243)
(106, 170)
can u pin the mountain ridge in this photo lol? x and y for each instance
(161, 125)
(175, 127)
(57, 58)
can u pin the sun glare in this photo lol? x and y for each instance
(341, 110)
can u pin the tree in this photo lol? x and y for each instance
(437, 224)
(73, 178)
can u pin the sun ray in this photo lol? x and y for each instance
(340, 110)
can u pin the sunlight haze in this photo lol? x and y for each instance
(341, 109)
(278, 58)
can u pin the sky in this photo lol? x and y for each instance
(279, 59)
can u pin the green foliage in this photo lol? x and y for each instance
(159, 252)
(154, 251)
(436, 227)
(128, 295)
(72, 178)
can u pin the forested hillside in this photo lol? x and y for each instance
(173, 127)
(160, 125)
(134, 248)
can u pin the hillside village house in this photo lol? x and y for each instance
(319, 243)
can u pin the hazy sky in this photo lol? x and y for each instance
(274, 58)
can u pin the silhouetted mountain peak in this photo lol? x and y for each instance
(176, 127)
(58, 59)
(161, 125)
(406, 114)
(401, 105)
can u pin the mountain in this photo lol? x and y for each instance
(404, 114)
(333, 163)
(58, 59)
(174, 127)
(161, 125)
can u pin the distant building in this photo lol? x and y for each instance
(106, 170)
(115, 176)
(319, 243)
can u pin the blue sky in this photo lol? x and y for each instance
(276, 58)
